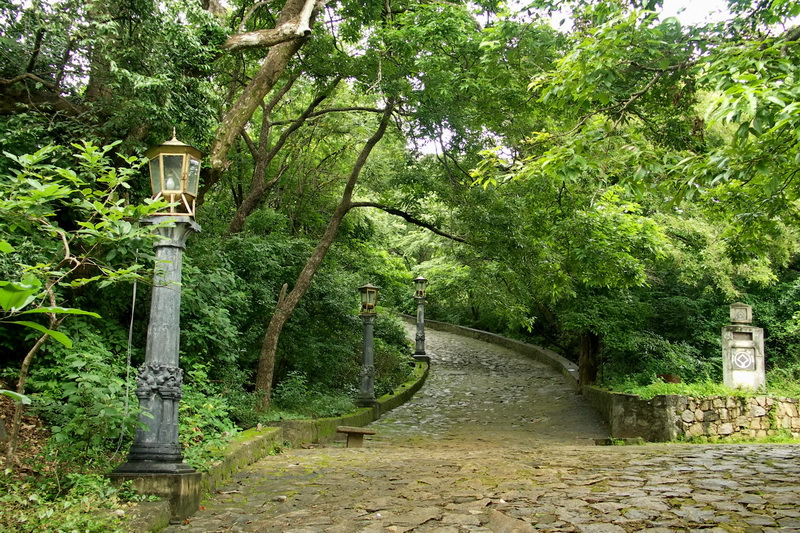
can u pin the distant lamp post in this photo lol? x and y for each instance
(419, 295)
(174, 175)
(369, 301)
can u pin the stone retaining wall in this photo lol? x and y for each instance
(759, 416)
(670, 417)
(630, 417)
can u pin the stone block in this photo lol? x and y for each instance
(710, 416)
(718, 403)
(758, 410)
(695, 430)
(742, 421)
(796, 423)
(723, 414)
(761, 433)
(705, 405)
(688, 416)
(699, 415)
(725, 429)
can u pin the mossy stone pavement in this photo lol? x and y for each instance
(496, 442)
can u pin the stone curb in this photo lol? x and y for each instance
(253, 444)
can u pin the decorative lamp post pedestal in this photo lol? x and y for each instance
(369, 302)
(155, 447)
(419, 297)
(155, 461)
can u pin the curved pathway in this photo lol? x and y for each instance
(479, 390)
(497, 443)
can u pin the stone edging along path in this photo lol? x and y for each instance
(251, 445)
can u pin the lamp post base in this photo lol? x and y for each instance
(421, 357)
(372, 403)
(366, 402)
(183, 489)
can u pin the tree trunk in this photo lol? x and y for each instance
(23, 378)
(286, 305)
(262, 83)
(588, 363)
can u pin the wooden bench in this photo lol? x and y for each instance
(355, 436)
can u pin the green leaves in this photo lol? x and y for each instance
(21, 398)
(35, 201)
(55, 335)
(16, 295)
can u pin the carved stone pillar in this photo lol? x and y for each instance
(743, 350)
(155, 447)
(420, 338)
(366, 395)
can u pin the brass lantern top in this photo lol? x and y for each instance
(175, 175)
(419, 285)
(369, 299)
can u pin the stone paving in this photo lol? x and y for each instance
(497, 443)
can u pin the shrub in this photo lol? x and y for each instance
(205, 419)
(33, 505)
(85, 399)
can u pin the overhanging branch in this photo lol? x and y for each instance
(408, 217)
(296, 28)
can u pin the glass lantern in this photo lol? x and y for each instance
(419, 286)
(175, 175)
(369, 299)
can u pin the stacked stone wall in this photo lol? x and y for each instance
(759, 416)
(671, 417)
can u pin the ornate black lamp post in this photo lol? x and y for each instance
(174, 176)
(369, 299)
(419, 296)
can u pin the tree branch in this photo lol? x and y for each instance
(259, 185)
(262, 83)
(331, 110)
(408, 217)
(293, 29)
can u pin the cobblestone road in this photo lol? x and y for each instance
(497, 443)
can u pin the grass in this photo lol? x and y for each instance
(706, 389)
(780, 437)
